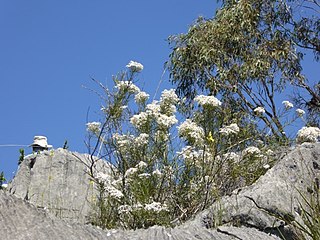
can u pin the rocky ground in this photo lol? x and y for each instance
(49, 198)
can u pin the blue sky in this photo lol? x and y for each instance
(49, 49)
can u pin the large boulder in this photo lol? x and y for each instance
(58, 181)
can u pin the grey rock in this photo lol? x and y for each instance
(255, 212)
(21, 220)
(58, 181)
(275, 200)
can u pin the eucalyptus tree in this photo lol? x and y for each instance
(248, 54)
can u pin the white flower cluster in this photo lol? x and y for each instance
(130, 172)
(141, 97)
(127, 86)
(153, 207)
(135, 66)
(124, 209)
(269, 152)
(139, 120)
(144, 175)
(232, 156)
(207, 100)
(300, 112)
(287, 104)
(251, 151)
(308, 134)
(166, 121)
(259, 110)
(156, 207)
(161, 136)
(106, 180)
(162, 115)
(122, 141)
(157, 172)
(142, 164)
(142, 139)
(113, 192)
(169, 97)
(93, 127)
(194, 156)
(153, 109)
(126, 142)
(103, 177)
(168, 101)
(231, 129)
(189, 130)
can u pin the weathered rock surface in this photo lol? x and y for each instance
(254, 212)
(19, 220)
(57, 180)
(275, 199)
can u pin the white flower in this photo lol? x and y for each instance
(308, 134)
(191, 131)
(231, 156)
(144, 175)
(141, 97)
(156, 207)
(93, 127)
(142, 139)
(122, 141)
(259, 110)
(166, 121)
(130, 172)
(137, 206)
(162, 136)
(124, 209)
(231, 129)
(113, 192)
(192, 155)
(266, 166)
(135, 66)
(251, 151)
(157, 173)
(169, 97)
(287, 104)
(4, 185)
(139, 120)
(127, 86)
(142, 164)
(269, 152)
(300, 112)
(153, 109)
(207, 100)
(103, 177)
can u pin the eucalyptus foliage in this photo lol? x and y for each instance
(245, 53)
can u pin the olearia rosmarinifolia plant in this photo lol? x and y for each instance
(167, 167)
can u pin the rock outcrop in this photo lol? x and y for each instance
(276, 199)
(22, 221)
(255, 212)
(58, 181)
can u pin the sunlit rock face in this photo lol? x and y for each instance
(58, 182)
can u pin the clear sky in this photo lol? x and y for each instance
(49, 49)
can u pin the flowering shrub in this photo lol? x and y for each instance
(167, 168)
